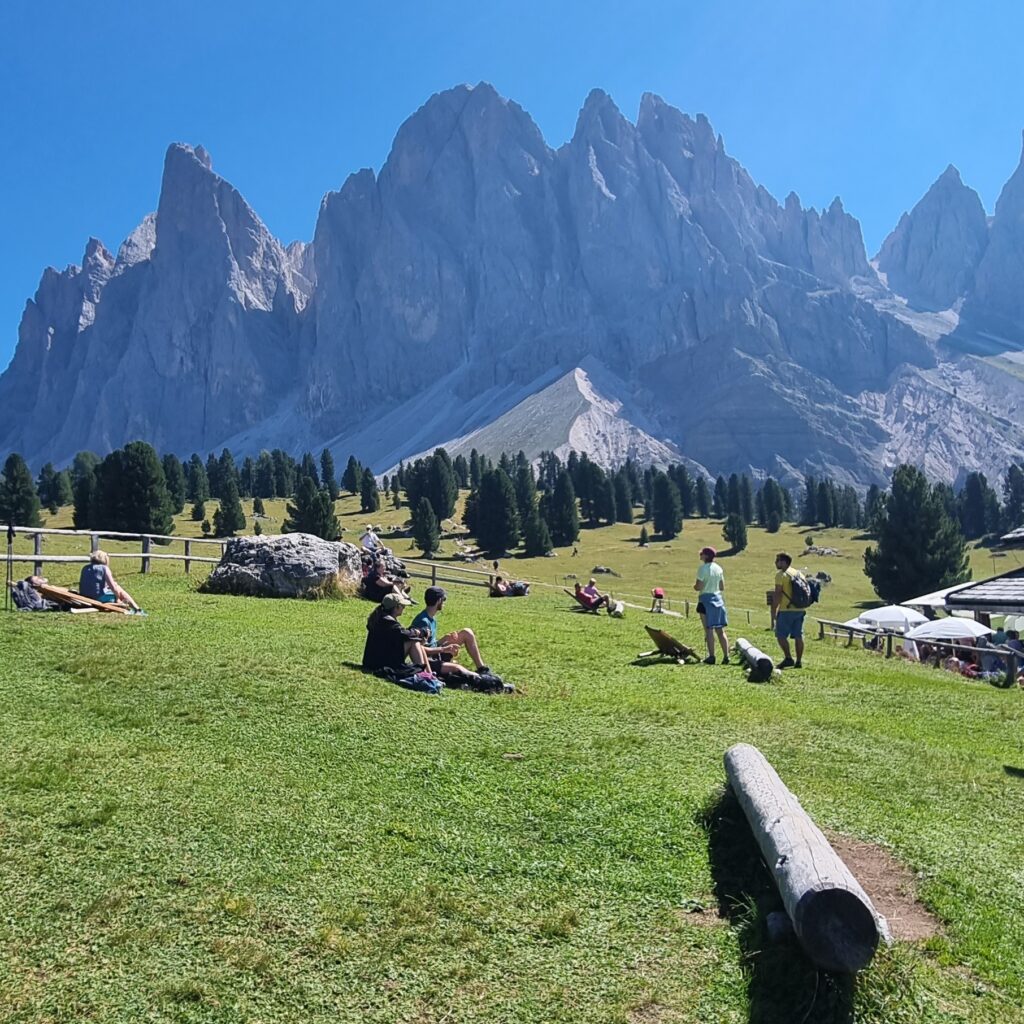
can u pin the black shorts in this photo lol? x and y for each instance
(701, 610)
(437, 660)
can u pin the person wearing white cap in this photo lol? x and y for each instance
(388, 642)
(370, 540)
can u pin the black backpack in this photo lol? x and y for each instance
(805, 591)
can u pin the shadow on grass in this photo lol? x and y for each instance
(782, 984)
(1017, 773)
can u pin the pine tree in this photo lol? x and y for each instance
(19, 503)
(257, 529)
(425, 531)
(720, 499)
(198, 481)
(46, 488)
(809, 514)
(177, 486)
(327, 477)
(369, 496)
(263, 480)
(132, 491)
(733, 502)
(258, 508)
(644, 538)
(746, 499)
(352, 478)
(668, 508)
(247, 478)
(198, 511)
(735, 531)
(64, 491)
(701, 498)
(563, 517)
(497, 521)
(461, 467)
(229, 517)
(537, 536)
(440, 485)
(311, 511)
(1013, 497)
(920, 547)
(85, 490)
(973, 502)
(526, 493)
(623, 498)
(871, 505)
(308, 468)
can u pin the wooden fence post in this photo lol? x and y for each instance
(686, 608)
(888, 645)
(188, 551)
(433, 575)
(94, 542)
(37, 549)
(145, 551)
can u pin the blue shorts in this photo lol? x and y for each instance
(714, 611)
(790, 625)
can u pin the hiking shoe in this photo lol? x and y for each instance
(484, 670)
(725, 661)
(710, 660)
(786, 663)
(797, 665)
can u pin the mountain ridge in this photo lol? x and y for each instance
(479, 261)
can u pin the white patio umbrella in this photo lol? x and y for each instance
(892, 616)
(952, 628)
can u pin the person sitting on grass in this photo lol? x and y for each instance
(591, 596)
(442, 653)
(98, 583)
(500, 588)
(388, 642)
(377, 582)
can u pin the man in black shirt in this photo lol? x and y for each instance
(388, 642)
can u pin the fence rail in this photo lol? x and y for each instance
(146, 554)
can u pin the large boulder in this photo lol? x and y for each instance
(292, 565)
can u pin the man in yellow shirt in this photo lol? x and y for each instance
(789, 621)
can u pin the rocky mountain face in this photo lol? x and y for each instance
(479, 268)
(931, 256)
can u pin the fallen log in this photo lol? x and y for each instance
(832, 915)
(758, 662)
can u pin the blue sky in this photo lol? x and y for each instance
(869, 100)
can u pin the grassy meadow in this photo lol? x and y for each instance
(210, 814)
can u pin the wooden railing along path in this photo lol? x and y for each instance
(39, 559)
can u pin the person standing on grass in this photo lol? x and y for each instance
(710, 585)
(789, 620)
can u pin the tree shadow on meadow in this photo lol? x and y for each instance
(782, 984)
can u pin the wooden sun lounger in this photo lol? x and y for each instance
(61, 595)
(667, 646)
(582, 601)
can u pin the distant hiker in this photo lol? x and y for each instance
(575, 551)
(442, 653)
(710, 585)
(98, 583)
(388, 642)
(789, 620)
(657, 598)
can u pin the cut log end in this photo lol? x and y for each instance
(840, 930)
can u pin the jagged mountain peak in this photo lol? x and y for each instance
(931, 255)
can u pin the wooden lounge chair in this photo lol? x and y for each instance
(666, 646)
(586, 605)
(69, 599)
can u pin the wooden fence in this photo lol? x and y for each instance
(38, 558)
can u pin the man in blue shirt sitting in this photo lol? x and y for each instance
(442, 653)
